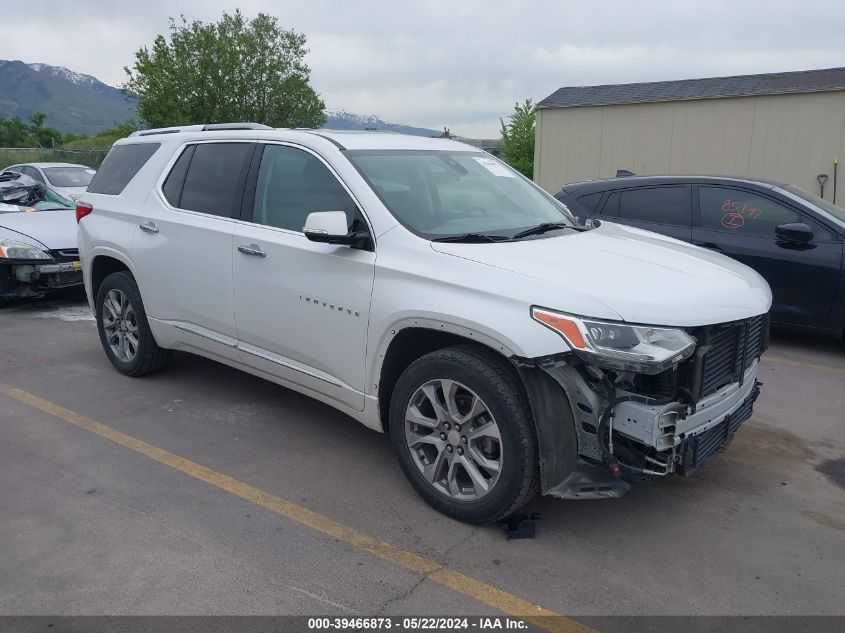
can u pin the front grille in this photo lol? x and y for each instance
(706, 444)
(730, 349)
(697, 450)
(742, 414)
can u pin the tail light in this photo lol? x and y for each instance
(83, 209)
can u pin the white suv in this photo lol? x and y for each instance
(424, 288)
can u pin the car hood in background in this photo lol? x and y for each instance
(644, 277)
(49, 229)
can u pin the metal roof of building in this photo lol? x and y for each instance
(822, 80)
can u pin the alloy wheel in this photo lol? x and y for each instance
(120, 325)
(453, 439)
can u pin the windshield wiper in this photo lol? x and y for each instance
(545, 227)
(472, 237)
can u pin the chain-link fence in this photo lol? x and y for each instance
(16, 155)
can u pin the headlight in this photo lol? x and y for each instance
(11, 249)
(638, 348)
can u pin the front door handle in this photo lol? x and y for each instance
(253, 250)
(148, 227)
(712, 247)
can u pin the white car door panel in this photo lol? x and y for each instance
(301, 308)
(184, 256)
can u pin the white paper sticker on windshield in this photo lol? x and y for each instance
(494, 167)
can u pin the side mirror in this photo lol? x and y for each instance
(794, 232)
(330, 227)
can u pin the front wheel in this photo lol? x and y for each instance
(463, 432)
(124, 330)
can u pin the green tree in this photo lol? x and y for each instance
(37, 120)
(518, 138)
(14, 132)
(40, 135)
(233, 70)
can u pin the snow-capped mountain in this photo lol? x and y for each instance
(73, 102)
(85, 81)
(337, 119)
(76, 102)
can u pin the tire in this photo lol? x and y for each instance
(144, 356)
(421, 448)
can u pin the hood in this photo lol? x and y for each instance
(47, 229)
(644, 277)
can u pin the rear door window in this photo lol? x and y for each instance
(664, 205)
(214, 178)
(120, 166)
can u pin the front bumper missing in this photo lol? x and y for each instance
(656, 439)
(33, 279)
(662, 428)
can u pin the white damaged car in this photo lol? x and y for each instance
(38, 251)
(428, 290)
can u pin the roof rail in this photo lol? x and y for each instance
(168, 130)
(201, 128)
(235, 126)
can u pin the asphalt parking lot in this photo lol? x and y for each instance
(235, 496)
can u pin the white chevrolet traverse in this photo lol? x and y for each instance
(425, 289)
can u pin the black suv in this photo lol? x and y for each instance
(793, 238)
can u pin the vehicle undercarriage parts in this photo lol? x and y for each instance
(589, 481)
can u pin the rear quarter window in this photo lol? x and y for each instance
(120, 166)
(590, 202)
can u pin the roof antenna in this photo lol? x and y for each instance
(624, 173)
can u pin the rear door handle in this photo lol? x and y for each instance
(712, 247)
(253, 250)
(148, 227)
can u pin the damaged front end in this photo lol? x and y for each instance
(33, 278)
(634, 423)
(33, 221)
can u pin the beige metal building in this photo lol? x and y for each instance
(783, 126)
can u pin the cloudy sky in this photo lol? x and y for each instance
(463, 63)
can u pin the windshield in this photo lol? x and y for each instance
(439, 194)
(18, 196)
(69, 176)
(834, 210)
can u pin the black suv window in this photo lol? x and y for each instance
(120, 166)
(664, 205)
(590, 202)
(293, 183)
(744, 212)
(213, 178)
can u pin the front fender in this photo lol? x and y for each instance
(469, 331)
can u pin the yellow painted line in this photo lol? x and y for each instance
(780, 360)
(439, 573)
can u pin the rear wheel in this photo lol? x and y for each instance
(463, 432)
(124, 331)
